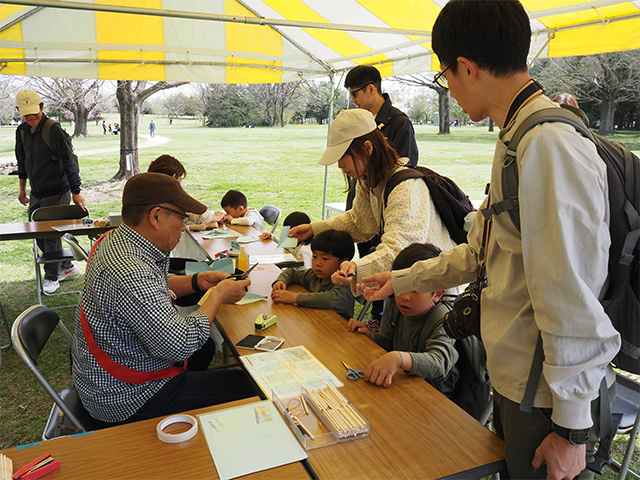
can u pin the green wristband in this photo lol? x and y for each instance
(401, 360)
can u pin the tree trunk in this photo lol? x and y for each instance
(491, 124)
(129, 118)
(607, 114)
(80, 114)
(443, 108)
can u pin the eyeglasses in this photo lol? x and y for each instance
(353, 92)
(440, 80)
(185, 217)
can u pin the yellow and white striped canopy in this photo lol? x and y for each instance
(269, 41)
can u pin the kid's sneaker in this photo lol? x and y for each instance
(72, 272)
(50, 286)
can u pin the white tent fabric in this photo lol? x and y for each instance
(269, 41)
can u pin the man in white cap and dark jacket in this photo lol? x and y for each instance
(45, 157)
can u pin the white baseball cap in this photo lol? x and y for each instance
(28, 102)
(349, 124)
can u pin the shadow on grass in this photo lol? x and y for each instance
(24, 405)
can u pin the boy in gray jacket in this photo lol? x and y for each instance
(412, 332)
(329, 248)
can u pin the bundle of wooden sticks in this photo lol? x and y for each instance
(338, 412)
(6, 468)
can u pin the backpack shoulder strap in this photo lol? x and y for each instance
(510, 180)
(397, 178)
(46, 132)
(437, 313)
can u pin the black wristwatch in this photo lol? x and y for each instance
(576, 437)
(194, 283)
(76, 191)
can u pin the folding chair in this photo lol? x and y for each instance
(30, 333)
(54, 212)
(78, 252)
(627, 403)
(271, 215)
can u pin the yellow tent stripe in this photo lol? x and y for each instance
(583, 16)
(340, 42)
(623, 35)
(12, 34)
(131, 30)
(251, 39)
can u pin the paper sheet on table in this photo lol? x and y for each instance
(286, 370)
(223, 265)
(248, 239)
(73, 226)
(248, 439)
(285, 240)
(250, 298)
(219, 233)
(275, 258)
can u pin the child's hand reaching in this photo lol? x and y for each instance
(265, 236)
(279, 285)
(382, 370)
(356, 326)
(283, 296)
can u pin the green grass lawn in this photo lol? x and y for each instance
(271, 166)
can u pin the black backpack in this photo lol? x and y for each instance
(473, 388)
(621, 295)
(46, 137)
(452, 204)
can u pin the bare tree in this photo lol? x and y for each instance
(78, 96)
(420, 80)
(605, 80)
(288, 95)
(130, 95)
(9, 87)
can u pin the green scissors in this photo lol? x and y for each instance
(352, 373)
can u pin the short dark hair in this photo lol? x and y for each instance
(382, 160)
(297, 218)
(234, 199)
(362, 75)
(334, 242)
(415, 252)
(169, 166)
(496, 34)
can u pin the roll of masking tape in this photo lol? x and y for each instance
(177, 437)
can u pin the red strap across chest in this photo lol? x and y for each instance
(120, 372)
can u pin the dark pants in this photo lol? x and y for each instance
(50, 244)
(523, 433)
(191, 390)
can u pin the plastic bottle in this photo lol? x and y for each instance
(243, 260)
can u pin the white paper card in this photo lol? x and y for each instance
(248, 439)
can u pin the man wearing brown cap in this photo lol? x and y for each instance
(130, 342)
(45, 157)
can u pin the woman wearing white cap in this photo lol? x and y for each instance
(409, 216)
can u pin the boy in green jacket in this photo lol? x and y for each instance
(330, 248)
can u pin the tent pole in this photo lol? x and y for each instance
(326, 167)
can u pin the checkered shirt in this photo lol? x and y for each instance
(128, 306)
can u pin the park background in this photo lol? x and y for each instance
(262, 139)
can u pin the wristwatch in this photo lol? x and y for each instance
(76, 191)
(576, 437)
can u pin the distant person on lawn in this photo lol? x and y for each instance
(53, 173)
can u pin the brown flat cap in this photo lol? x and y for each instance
(156, 188)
